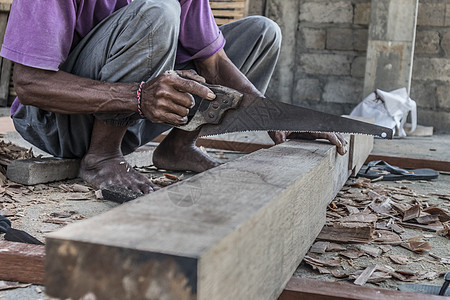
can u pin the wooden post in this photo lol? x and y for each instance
(237, 231)
(390, 50)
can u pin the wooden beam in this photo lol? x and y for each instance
(222, 144)
(411, 162)
(237, 231)
(305, 289)
(358, 146)
(22, 262)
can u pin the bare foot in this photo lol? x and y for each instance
(101, 172)
(178, 152)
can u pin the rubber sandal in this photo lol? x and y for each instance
(428, 289)
(16, 235)
(379, 168)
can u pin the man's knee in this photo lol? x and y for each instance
(166, 12)
(266, 28)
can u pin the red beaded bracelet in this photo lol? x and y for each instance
(139, 107)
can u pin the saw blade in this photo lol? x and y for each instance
(262, 114)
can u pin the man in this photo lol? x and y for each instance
(94, 78)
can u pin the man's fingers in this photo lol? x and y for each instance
(278, 137)
(339, 141)
(193, 87)
(174, 119)
(342, 139)
(191, 74)
(178, 98)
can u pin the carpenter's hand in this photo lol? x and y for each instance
(167, 98)
(334, 138)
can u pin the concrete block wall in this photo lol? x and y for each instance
(431, 70)
(322, 65)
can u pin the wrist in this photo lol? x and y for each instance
(139, 100)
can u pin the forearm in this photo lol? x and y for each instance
(218, 69)
(62, 92)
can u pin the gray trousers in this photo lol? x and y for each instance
(137, 43)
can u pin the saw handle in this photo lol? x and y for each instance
(212, 111)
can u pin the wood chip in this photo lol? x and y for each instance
(427, 219)
(55, 221)
(321, 270)
(361, 217)
(319, 247)
(399, 259)
(416, 246)
(405, 275)
(352, 253)
(430, 227)
(63, 214)
(171, 177)
(8, 285)
(317, 262)
(397, 228)
(98, 195)
(412, 213)
(365, 275)
(370, 250)
(401, 207)
(383, 207)
(333, 247)
(80, 188)
(379, 276)
(346, 235)
(443, 215)
(387, 237)
(78, 197)
(430, 275)
(352, 210)
(385, 248)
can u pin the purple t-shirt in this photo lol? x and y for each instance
(41, 33)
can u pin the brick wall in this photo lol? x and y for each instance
(329, 54)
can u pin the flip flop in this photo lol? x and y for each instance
(378, 168)
(16, 235)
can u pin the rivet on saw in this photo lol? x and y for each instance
(225, 101)
(215, 105)
(383, 134)
(211, 115)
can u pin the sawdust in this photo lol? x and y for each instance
(408, 228)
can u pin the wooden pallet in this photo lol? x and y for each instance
(226, 11)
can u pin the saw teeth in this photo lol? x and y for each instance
(350, 133)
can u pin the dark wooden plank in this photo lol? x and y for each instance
(22, 262)
(306, 288)
(411, 162)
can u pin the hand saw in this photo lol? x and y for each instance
(232, 111)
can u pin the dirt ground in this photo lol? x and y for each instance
(44, 208)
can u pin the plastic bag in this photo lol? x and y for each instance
(390, 109)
